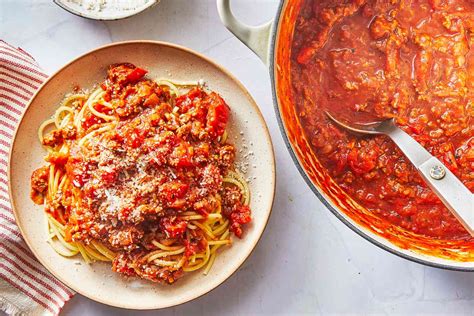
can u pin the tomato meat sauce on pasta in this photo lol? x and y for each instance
(370, 60)
(139, 173)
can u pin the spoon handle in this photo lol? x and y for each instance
(451, 191)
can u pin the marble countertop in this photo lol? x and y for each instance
(307, 261)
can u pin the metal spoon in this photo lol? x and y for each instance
(452, 192)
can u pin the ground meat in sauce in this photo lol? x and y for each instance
(163, 158)
(368, 60)
(232, 207)
(39, 184)
(57, 137)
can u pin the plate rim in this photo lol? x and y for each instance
(272, 161)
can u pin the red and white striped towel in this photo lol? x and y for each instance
(26, 287)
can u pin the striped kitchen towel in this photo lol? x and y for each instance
(26, 287)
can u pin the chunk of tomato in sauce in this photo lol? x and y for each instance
(136, 137)
(173, 227)
(102, 109)
(217, 115)
(109, 177)
(182, 156)
(125, 73)
(239, 217)
(136, 74)
(186, 101)
(91, 120)
(174, 190)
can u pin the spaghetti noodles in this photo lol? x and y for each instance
(140, 174)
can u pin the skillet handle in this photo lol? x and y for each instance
(257, 38)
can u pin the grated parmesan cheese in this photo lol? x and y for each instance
(113, 5)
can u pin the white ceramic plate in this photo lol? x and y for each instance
(97, 281)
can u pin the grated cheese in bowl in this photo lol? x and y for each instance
(105, 9)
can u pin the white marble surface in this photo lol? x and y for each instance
(307, 261)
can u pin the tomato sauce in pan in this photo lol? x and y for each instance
(370, 60)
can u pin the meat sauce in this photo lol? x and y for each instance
(370, 60)
(162, 158)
